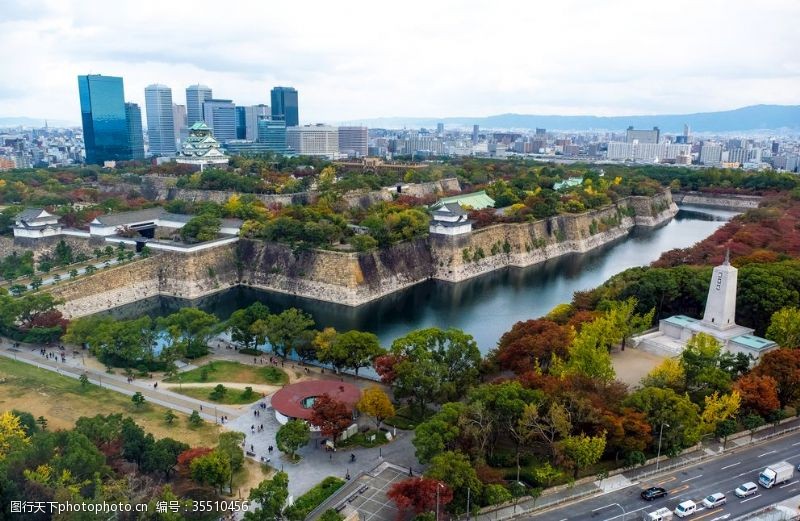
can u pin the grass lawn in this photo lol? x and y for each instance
(62, 400)
(231, 397)
(362, 439)
(224, 371)
(407, 417)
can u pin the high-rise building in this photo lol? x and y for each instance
(105, 127)
(133, 120)
(220, 116)
(642, 136)
(317, 140)
(541, 133)
(273, 134)
(354, 141)
(475, 129)
(247, 120)
(711, 153)
(440, 129)
(196, 95)
(686, 131)
(160, 120)
(775, 147)
(285, 106)
(180, 121)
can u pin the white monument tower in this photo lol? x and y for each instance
(720, 310)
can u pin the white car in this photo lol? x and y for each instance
(715, 500)
(746, 489)
(686, 508)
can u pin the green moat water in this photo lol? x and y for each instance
(486, 306)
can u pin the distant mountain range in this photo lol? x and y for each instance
(755, 117)
(35, 122)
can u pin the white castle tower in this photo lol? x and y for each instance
(720, 310)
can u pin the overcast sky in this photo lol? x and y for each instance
(362, 59)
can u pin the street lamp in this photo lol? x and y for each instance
(438, 486)
(660, 434)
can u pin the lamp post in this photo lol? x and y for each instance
(660, 434)
(438, 486)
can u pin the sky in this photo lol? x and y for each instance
(354, 60)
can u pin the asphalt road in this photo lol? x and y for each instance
(722, 474)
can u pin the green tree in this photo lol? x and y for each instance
(84, 380)
(218, 393)
(36, 283)
(204, 227)
(162, 456)
(439, 433)
(230, 446)
(138, 399)
(582, 451)
(291, 436)
(241, 323)
(331, 515)
(271, 496)
(666, 407)
(351, 350)
(212, 469)
(189, 330)
(455, 470)
(284, 329)
(170, 417)
(784, 327)
(194, 419)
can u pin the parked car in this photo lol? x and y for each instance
(746, 489)
(686, 508)
(653, 493)
(715, 500)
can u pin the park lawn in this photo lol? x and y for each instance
(62, 400)
(232, 397)
(225, 371)
(362, 439)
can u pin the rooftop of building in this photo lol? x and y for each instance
(296, 400)
(152, 214)
(753, 342)
(476, 200)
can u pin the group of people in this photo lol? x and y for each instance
(54, 356)
(253, 428)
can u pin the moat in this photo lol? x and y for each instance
(485, 306)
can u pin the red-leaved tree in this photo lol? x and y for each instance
(759, 393)
(419, 495)
(532, 344)
(331, 416)
(186, 457)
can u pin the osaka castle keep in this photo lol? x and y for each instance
(719, 321)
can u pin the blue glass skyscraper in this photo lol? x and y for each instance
(284, 106)
(105, 127)
(272, 134)
(133, 115)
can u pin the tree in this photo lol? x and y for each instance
(135, 442)
(351, 350)
(241, 323)
(162, 456)
(589, 353)
(724, 429)
(784, 327)
(495, 494)
(665, 406)
(212, 469)
(12, 434)
(218, 393)
(284, 329)
(669, 373)
(784, 366)
(204, 227)
(419, 495)
(439, 433)
(331, 416)
(170, 417)
(582, 451)
(548, 427)
(189, 330)
(194, 419)
(759, 394)
(374, 402)
(271, 496)
(230, 444)
(186, 457)
(291, 436)
(138, 399)
(331, 514)
(84, 380)
(717, 409)
(36, 283)
(456, 471)
(752, 422)
(531, 345)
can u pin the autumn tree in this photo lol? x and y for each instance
(331, 416)
(212, 469)
(12, 434)
(784, 327)
(582, 451)
(531, 344)
(759, 394)
(669, 373)
(419, 495)
(718, 409)
(374, 402)
(666, 407)
(784, 366)
(186, 457)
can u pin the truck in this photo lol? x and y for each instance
(662, 514)
(776, 474)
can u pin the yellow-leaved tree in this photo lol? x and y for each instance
(718, 408)
(12, 434)
(374, 402)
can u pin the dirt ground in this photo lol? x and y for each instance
(632, 365)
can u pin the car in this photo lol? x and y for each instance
(653, 493)
(746, 489)
(686, 508)
(715, 500)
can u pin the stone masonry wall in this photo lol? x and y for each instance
(728, 202)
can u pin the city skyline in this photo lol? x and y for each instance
(457, 60)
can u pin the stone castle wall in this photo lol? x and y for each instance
(723, 201)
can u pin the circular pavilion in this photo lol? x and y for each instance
(295, 401)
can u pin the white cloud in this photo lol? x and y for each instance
(360, 59)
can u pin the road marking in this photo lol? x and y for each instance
(766, 453)
(679, 489)
(695, 477)
(748, 499)
(711, 513)
(673, 478)
(795, 444)
(789, 484)
(729, 466)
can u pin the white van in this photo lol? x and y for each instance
(686, 508)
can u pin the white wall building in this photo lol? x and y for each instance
(35, 223)
(449, 219)
(313, 140)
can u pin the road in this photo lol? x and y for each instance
(722, 474)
